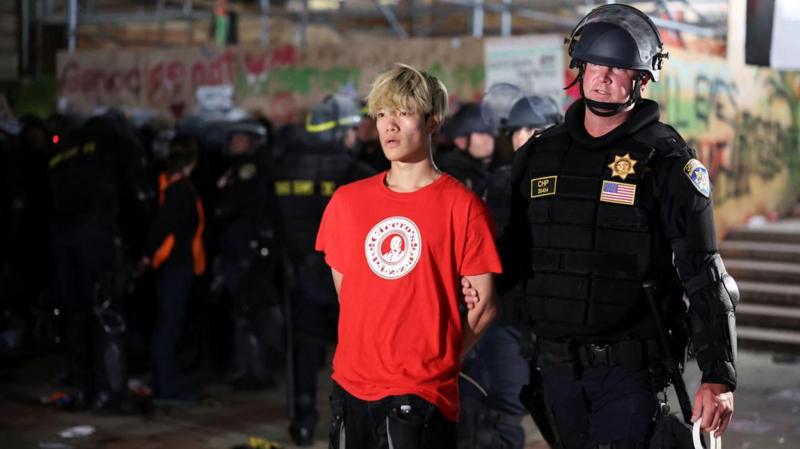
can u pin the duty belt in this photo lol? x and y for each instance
(632, 353)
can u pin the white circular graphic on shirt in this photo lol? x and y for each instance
(393, 247)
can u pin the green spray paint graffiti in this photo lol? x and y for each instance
(298, 80)
(305, 80)
(286, 85)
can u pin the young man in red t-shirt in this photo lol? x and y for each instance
(397, 244)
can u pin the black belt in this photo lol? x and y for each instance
(632, 353)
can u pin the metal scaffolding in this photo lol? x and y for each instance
(402, 18)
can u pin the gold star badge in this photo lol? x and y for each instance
(622, 166)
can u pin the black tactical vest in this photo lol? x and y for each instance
(591, 216)
(498, 197)
(305, 180)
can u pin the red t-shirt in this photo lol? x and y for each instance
(402, 256)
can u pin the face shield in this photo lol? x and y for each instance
(644, 51)
(497, 103)
(329, 121)
(616, 36)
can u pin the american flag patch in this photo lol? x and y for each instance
(618, 192)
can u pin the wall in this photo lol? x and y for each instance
(743, 124)
(743, 121)
(280, 82)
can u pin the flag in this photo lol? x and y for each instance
(618, 192)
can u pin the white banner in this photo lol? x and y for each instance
(535, 64)
(785, 35)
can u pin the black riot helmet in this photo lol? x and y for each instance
(616, 36)
(256, 133)
(329, 120)
(466, 121)
(534, 111)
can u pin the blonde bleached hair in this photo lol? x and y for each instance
(404, 88)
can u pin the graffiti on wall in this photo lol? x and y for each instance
(743, 124)
(280, 82)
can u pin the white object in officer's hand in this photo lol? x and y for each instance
(714, 442)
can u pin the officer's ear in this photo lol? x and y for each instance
(645, 79)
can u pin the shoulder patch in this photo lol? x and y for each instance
(698, 175)
(247, 171)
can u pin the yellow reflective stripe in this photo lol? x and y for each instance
(329, 125)
(283, 188)
(327, 188)
(352, 120)
(320, 127)
(55, 160)
(87, 148)
(303, 187)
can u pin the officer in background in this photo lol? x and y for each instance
(528, 116)
(246, 216)
(94, 170)
(612, 223)
(531, 115)
(496, 369)
(364, 144)
(306, 176)
(473, 141)
(26, 264)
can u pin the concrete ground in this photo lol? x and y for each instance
(767, 413)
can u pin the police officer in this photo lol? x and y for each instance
(94, 170)
(245, 211)
(28, 270)
(528, 116)
(365, 145)
(495, 370)
(531, 115)
(306, 177)
(473, 141)
(612, 224)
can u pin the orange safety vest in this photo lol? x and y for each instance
(198, 250)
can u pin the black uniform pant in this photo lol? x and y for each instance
(85, 255)
(315, 320)
(172, 293)
(394, 422)
(493, 421)
(258, 327)
(309, 357)
(600, 405)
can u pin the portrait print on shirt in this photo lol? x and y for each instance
(392, 247)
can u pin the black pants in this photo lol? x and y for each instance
(495, 420)
(601, 405)
(85, 255)
(315, 317)
(172, 294)
(394, 422)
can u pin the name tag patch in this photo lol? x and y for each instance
(618, 193)
(543, 186)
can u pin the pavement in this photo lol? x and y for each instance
(767, 413)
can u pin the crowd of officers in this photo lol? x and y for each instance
(126, 241)
(138, 238)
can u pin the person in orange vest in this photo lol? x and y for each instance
(175, 250)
